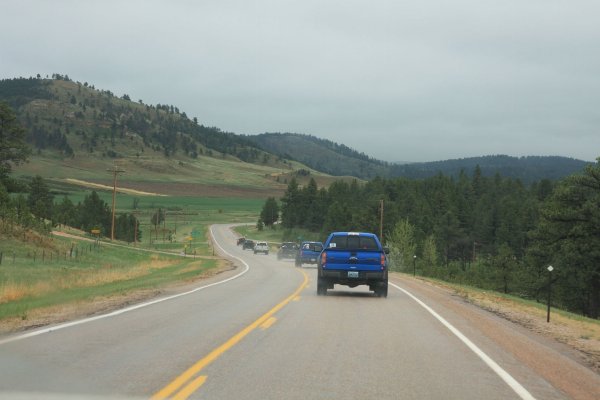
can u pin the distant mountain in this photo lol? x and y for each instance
(528, 169)
(340, 160)
(322, 155)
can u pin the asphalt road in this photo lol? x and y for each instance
(264, 334)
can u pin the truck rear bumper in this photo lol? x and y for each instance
(341, 277)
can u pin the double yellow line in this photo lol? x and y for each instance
(180, 392)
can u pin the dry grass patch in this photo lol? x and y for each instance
(69, 278)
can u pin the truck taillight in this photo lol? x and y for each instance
(382, 261)
(323, 259)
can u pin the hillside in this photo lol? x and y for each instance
(336, 159)
(527, 169)
(320, 154)
(77, 118)
(78, 132)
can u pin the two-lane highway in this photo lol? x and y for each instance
(265, 334)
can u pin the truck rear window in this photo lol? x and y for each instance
(353, 243)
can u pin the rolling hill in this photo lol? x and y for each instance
(335, 159)
(322, 155)
(78, 131)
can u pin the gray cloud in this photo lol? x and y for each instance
(411, 80)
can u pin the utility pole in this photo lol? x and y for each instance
(381, 222)
(135, 232)
(115, 170)
(550, 269)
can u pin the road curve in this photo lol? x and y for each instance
(267, 335)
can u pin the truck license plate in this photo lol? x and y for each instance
(352, 274)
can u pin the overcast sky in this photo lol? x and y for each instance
(401, 80)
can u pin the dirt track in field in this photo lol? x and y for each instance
(185, 189)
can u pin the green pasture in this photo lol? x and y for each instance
(45, 273)
(187, 218)
(67, 271)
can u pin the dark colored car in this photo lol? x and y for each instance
(352, 259)
(248, 245)
(287, 250)
(241, 240)
(308, 253)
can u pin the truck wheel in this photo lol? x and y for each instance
(321, 287)
(381, 289)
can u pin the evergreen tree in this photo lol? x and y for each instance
(569, 230)
(94, 213)
(65, 212)
(270, 212)
(39, 199)
(13, 148)
(290, 216)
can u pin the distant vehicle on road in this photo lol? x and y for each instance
(241, 240)
(287, 250)
(352, 259)
(308, 253)
(248, 245)
(261, 247)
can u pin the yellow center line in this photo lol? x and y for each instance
(216, 353)
(190, 388)
(267, 324)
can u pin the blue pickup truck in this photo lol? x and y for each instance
(353, 259)
(308, 253)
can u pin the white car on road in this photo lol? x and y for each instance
(261, 247)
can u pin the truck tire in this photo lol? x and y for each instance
(321, 287)
(381, 290)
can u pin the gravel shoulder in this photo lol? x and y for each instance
(565, 352)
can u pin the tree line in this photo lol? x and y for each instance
(491, 232)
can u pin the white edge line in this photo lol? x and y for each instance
(506, 377)
(132, 308)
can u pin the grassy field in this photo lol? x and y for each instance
(57, 270)
(39, 272)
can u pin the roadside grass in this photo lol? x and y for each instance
(577, 331)
(27, 285)
(39, 274)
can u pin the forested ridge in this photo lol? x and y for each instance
(340, 160)
(321, 154)
(491, 232)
